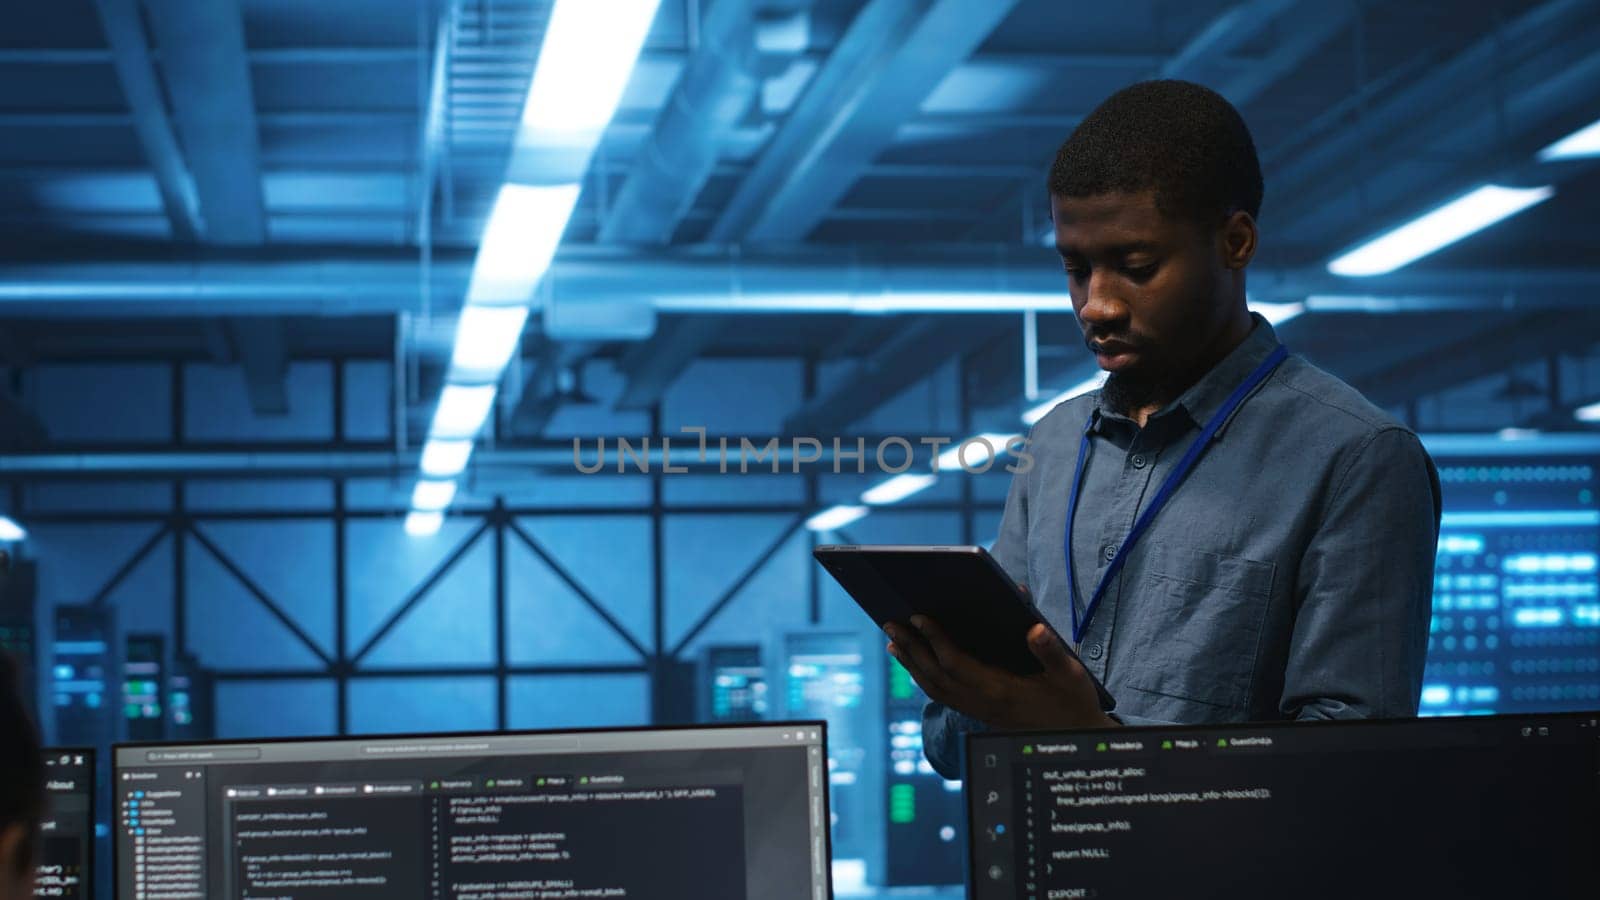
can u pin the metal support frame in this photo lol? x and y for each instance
(656, 658)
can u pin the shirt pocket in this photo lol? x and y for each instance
(1195, 623)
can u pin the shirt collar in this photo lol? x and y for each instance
(1205, 397)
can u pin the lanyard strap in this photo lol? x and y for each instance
(1168, 487)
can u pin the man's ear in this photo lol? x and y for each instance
(1236, 241)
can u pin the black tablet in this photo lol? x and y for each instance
(962, 588)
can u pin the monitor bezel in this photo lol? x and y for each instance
(92, 760)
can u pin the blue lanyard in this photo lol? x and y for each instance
(1190, 456)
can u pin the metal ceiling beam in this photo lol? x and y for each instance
(208, 79)
(1311, 25)
(297, 281)
(893, 55)
(652, 366)
(20, 429)
(1494, 350)
(718, 85)
(130, 53)
(1208, 57)
(926, 344)
(1535, 67)
(554, 380)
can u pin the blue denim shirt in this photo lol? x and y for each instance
(1289, 577)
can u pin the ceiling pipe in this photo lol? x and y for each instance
(715, 92)
(823, 280)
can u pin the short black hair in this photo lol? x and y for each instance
(21, 764)
(1179, 139)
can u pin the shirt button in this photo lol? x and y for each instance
(1110, 552)
(1096, 650)
(1138, 462)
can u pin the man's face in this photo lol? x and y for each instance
(1149, 291)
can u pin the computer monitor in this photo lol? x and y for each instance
(66, 836)
(1491, 806)
(719, 811)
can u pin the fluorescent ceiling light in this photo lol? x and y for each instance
(485, 339)
(1590, 413)
(1036, 413)
(1438, 229)
(1518, 434)
(422, 524)
(430, 495)
(976, 455)
(898, 488)
(1581, 144)
(462, 410)
(588, 53)
(835, 517)
(1278, 313)
(519, 241)
(445, 459)
(10, 531)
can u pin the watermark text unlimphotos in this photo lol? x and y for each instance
(735, 454)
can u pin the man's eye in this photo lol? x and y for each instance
(1074, 270)
(1140, 273)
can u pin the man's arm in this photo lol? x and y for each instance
(1365, 588)
(944, 729)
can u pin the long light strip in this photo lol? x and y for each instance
(1581, 144)
(898, 488)
(588, 54)
(1590, 413)
(1034, 413)
(1435, 230)
(519, 241)
(423, 524)
(432, 496)
(835, 517)
(486, 336)
(463, 409)
(975, 455)
(10, 531)
(445, 458)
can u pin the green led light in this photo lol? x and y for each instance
(1028, 749)
(902, 804)
(1101, 748)
(901, 687)
(1222, 742)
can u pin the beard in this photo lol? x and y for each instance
(1125, 392)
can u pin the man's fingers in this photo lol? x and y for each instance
(951, 659)
(914, 653)
(1052, 654)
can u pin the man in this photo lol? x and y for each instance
(1286, 565)
(21, 787)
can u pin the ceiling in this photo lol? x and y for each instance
(326, 167)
